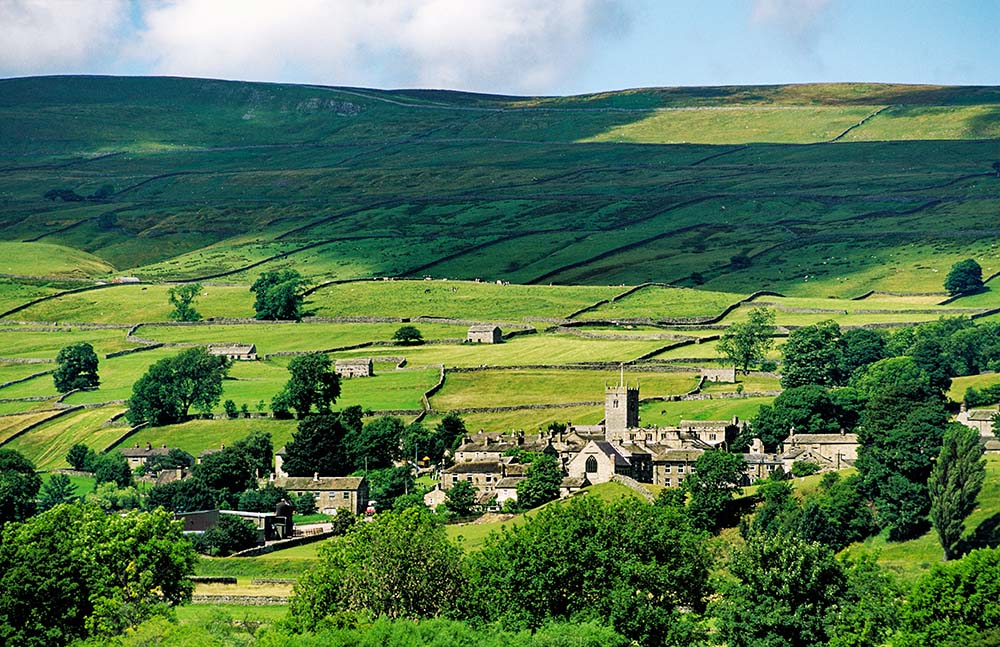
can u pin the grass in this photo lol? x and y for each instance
(10, 425)
(196, 436)
(521, 387)
(32, 343)
(526, 419)
(199, 614)
(47, 445)
(658, 302)
(959, 384)
(48, 260)
(82, 484)
(670, 414)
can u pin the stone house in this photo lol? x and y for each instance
(979, 419)
(829, 451)
(672, 466)
(235, 352)
(332, 493)
(484, 334)
(506, 489)
(760, 464)
(598, 461)
(483, 476)
(571, 485)
(359, 367)
(137, 455)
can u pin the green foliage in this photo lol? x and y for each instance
(861, 347)
(58, 489)
(408, 336)
(541, 484)
(964, 277)
(461, 499)
(265, 499)
(231, 410)
(398, 566)
(716, 478)
(783, 590)
(804, 468)
(173, 385)
(625, 565)
(279, 295)
(182, 297)
(188, 495)
(172, 460)
(869, 609)
(955, 602)
(813, 355)
(19, 484)
(982, 397)
(76, 368)
(76, 571)
(80, 457)
(314, 384)
(113, 467)
(809, 409)
(386, 484)
(954, 484)
(236, 468)
(745, 344)
(376, 444)
(837, 516)
(111, 498)
(230, 535)
(318, 446)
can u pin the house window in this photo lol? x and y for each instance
(669, 482)
(711, 436)
(680, 469)
(591, 465)
(489, 477)
(668, 469)
(615, 404)
(347, 495)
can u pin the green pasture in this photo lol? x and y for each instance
(529, 349)
(529, 420)
(136, 303)
(196, 436)
(535, 386)
(82, 484)
(47, 445)
(750, 384)
(11, 424)
(658, 302)
(14, 293)
(48, 260)
(931, 122)
(738, 125)
(24, 406)
(200, 614)
(989, 298)
(9, 372)
(670, 414)
(959, 384)
(454, 299)
(281, 337)
(117, 375)
(36, 344)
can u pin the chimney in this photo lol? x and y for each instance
(149, 446)
(315, 477)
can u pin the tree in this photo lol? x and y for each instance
(314, 384)
(183, 496)
(964, 277)
(389, 483)
(279, 295)
(783, 592)
(461, 498)
(408, 336)
(717, 476)
(807, 409)
(541, 484)
(230, 535)
(113, 467)
(813, 355)
(236, 468)
(172, 460)
(171, 386)
(75, 571)
(861, 347)
(318, 446)
(111, 498)
(263, 499)
(58, 489)
(76, 368)
(953, 603)
(80, 457)
(232, 411)
(745, 344)
(628, 566)
(376, 444)
(182, 298)
(954, 484)
(19, 484)
(401, 565)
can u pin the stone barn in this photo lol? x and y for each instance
(727, 375)
(485, 334)
(235, 352)
(361, 367)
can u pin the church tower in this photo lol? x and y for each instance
(621, 409)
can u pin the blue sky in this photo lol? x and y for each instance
(509, 46)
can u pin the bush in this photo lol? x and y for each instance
(408, 336)
(230, 408)
(231, 534)
(804, 468)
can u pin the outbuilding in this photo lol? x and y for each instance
(485, 334)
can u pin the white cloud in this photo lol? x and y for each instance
(799, 20)
(489, 45)
(42, 36)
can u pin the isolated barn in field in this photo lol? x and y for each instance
(485, 334)
(240, 352)
(727, 375)
(360, 367)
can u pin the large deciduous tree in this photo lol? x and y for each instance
(313, 385)
(19, 484)
(279, 295)
(745, 344)
(813, 355)
(171, 386)
(76, 368)
(954, 484)
(75, 571)
(541, 485)
(964, 277)
(182, 298)
(716, 478)
(401, 565)
(317, 446)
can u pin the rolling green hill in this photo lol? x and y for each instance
(828, 189)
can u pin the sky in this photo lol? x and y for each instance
(551, 47)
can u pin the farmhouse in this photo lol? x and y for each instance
(235, 352)
(979, 419)
(360, 367)
(484, 334)
(331, 492)
(141, 455)
(829, 451)
(671, 466)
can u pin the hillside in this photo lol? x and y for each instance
(828, 189)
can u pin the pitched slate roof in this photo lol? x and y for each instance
(310, 483)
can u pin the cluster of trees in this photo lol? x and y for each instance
(279, 295)
(173, 385)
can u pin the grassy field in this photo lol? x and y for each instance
(48, 260)
(529, 420)
(198, 435)
(670, 414)
(960, 384)
(35, 343)
(11, 424)
(658, 302)
(46, 446)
